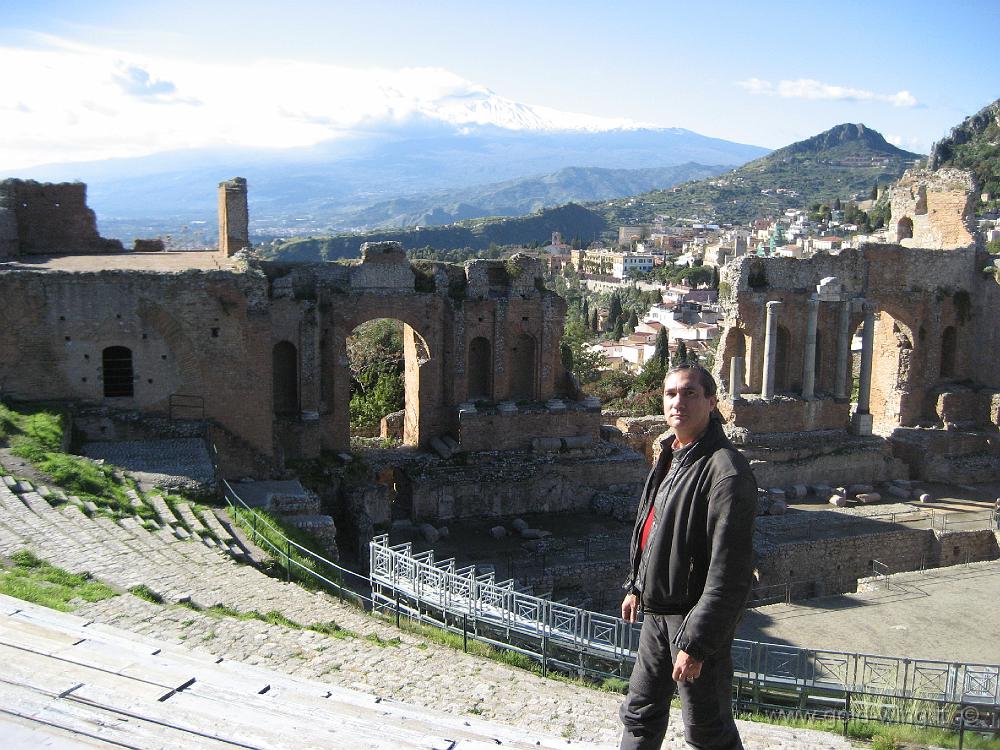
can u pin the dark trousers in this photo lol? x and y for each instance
(706, 703)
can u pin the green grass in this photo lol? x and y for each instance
(144, 592)
(271, 531)
(35, 580)
(36, 435)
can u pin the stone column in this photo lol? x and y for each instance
(770, 349)
(840, 391)
(809, 361)
(735, 378)
(862, 422)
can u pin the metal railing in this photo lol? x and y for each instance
(574, 640)
(605, 645)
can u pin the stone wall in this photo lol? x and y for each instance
(495, 430)
(234, 217)
(518, 483)
(786, 414)
(933, 209)
(41, 218)
(229, 341)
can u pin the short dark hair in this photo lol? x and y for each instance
(707, 381)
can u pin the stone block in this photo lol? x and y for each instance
(498, 532)
(429, 533)
(90, 507)
(859, 489)
(546, 445)
(925, 498)
(9, 481)
(821, 490)
(867, 498)
(900, 492)
(519, 524)
(838, 500)
(441, 448)
(799, 491)
(444, 532)
(778, 508)
(577, 441)
(776, 493)
(534, 533)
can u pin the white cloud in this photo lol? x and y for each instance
(807, 88)
(78, 103)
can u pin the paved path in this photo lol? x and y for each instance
(951, 614)
(417, 672)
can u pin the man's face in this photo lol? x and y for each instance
(685, 404)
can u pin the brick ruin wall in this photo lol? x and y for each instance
(46, 219)
(217, 337)
(934, 311)
(933, 209)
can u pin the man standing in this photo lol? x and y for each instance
(690, 574)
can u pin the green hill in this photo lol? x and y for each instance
(844, 162)
(571, 220)
(974, 145)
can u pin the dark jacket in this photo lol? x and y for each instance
(698, 557)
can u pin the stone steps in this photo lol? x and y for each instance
(81, 687)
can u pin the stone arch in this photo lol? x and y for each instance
(117, 372)
(904, 229)
(895, 397)
(480, 368)
(735, 346)
(523, 363)
(949, 351)
(783, 342)
(285, 378)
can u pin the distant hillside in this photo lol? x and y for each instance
(843, 162)
(974, 145)
(523, 196)
(571, 220)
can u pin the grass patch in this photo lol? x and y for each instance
(143, 591)
(36, 435)
(34, 580)
(331, 629)
(268, 531)
(382, 642)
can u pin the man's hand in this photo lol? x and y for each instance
(630, 607)
(686, 667)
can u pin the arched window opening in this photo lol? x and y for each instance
(904, 229)
(118, 374)
(285, 378)
(480, 368)
(522, 372)
(949, 345)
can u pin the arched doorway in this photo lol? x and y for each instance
(480, 369)
(904, 229)
(735, 346)
(522, 362)
(285, 378)
(117, 372)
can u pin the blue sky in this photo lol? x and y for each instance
(766, 73)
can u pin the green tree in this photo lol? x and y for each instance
(681, 355)
(594, 321)
(662, 351)
(577, 356)
(586, 310)
(614, 310)
(837, 206)
(633, 321)
(873, 195)
(618, 331)
(715, 277)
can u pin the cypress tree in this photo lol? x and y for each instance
(614, 311)
(662, 352)
(617, 332)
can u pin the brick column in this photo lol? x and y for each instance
(809, 358)
(770, 349)
(840, 391)
(861, 424)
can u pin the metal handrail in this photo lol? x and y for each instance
(397, 573)
(495, 612)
